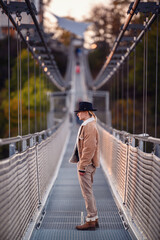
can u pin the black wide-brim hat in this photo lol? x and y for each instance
(85, 106)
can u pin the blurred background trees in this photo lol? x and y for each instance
(106, 27)
(42, 87)
(106, 23)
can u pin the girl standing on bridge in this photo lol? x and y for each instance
(86, 155)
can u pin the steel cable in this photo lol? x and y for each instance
(18, 76)
(144, 66)
(156, 88)
(35, 107)
(117, 99)
(146, 90)
(122, 97)
(114, 98)
(43, 101)
(9, 81)
(40, 96)
(28, 92)
(127, 90)
(134, 88)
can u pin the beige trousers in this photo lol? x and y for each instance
(86, 183)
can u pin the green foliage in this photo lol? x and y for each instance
(24, 70)
(42, 103)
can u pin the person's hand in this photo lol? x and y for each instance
(81, 173)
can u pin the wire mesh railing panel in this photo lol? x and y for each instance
(121, 169)
(135, 177)
(106, 144)
(143, 192)
(6, 179)
(115, 154)
(19, 196)
(132, 168)
(115, 150)
(24, 178)
(42, 171)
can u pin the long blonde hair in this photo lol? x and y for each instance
(93, 115)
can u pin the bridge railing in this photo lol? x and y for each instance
(25, 178)
(135, 179)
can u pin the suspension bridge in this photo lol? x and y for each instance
(40, 196)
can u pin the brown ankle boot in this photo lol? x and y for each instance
(87, 226)
(96, 223)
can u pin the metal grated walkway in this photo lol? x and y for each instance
(65, 204)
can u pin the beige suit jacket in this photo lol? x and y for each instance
(88, 146)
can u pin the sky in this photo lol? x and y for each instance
(74, 8)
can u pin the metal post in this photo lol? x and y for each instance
(157, 150)
(107, 101)
(31, 142)
(133, 142)
(52, 110)
(126, 175)
(24, 145)
(108, 114)
(12, 149)
(38, 184)
(141, 145)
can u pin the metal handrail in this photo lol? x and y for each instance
(49, 131)
(142, 137)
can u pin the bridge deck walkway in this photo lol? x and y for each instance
(65, 204)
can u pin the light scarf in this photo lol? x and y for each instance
(83, 124)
